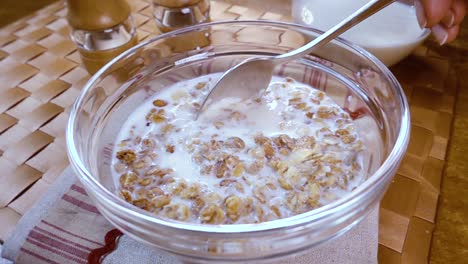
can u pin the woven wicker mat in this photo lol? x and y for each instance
(41, 75)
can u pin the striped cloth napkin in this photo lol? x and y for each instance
(65, 227)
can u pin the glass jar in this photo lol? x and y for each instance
(356, 80)
(101, 30)
(174, 14)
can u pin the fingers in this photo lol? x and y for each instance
(434, 10)
(440, 33)
(443, 17)
(449, 19)
(445, 35)
(452, 33)
(459, 10)
(420, 13)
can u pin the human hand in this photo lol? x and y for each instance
(443, 17)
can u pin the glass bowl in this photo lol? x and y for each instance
(355, 79)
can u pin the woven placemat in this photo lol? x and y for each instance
(41, 75)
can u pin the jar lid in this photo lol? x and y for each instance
(95, 15)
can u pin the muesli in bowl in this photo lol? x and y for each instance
(283, 153)
(249, 180)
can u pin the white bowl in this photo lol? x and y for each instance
(391, 35)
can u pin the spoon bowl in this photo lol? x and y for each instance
(256, 74)
(252, 76)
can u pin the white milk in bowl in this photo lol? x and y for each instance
(390, 35)
(287, 152)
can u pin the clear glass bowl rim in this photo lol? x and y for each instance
(379, 177)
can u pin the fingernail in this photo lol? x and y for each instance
(420, 14)
(440, 33)
(449, 19)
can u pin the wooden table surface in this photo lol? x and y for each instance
(450, 239)
(41, 75)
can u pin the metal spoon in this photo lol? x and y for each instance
(253, 75)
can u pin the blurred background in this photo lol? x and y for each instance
(11, 10)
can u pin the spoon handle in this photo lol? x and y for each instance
(362, 13)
